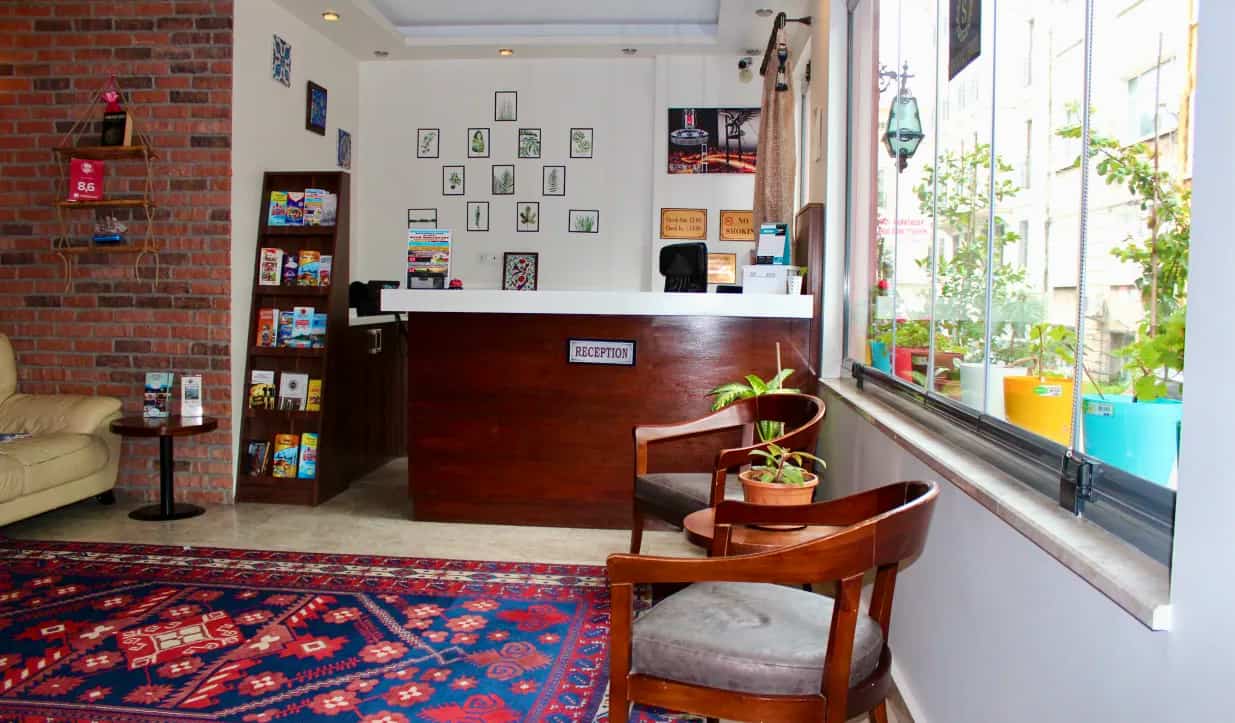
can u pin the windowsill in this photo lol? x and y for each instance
(1131, 579)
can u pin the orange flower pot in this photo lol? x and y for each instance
(1042, 405)
(767, 493)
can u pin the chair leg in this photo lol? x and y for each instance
(879, 714)
(636, 529)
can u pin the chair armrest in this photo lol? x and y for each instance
(646, 434)
(835, 513)
(46, 413)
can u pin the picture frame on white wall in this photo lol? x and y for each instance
(345, 150)
(422, 218)
(527, 216)
(505, 106)
(529, 143)
(503, 179)
(581, 143)
(583, 221)
(553, 181)
(477, 142)
(281, 62)
(453, 180)
(477, 215)
(428, 142)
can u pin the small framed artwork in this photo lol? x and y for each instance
(583, 221)
(553, 181)
(477, 142)
(528, 213)
(422, 218)
(580, 142)
(452, 180)
(722, 268)
(520, 270)
(427, 141)
(529, 143)
(506, 105)
(504, 180)
(477, 215)
(315, 109)
(281, 62)
(345, 149)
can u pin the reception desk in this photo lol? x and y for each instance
(504, 428)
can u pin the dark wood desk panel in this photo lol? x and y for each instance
(501, 429)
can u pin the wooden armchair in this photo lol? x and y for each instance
(733, 645)
(673, 496)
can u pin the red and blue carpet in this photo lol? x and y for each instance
(138, 633)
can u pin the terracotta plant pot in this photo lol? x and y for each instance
(766, 493)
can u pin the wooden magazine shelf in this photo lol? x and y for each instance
(324, 363)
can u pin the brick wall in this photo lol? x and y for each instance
(114, 324)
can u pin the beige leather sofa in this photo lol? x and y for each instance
(71, 455)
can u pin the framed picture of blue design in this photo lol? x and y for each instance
(315, 109)
(345, 149)
(281, 62)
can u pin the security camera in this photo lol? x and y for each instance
(744, 63)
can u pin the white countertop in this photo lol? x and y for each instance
(354, 320)
(599, 303)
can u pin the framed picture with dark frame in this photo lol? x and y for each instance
(453, 180)
(527, 216)
(503, 179)
(428, 141)
(477, 215)
(529, 143)
(580, 142)
(505, 105)
(315, 109)
(477, 142)
(520, 270)
(422, 218)
(553, 181)
(583, 221)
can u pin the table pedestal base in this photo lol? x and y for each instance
(156, 513)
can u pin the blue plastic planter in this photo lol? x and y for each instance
(1137, 437)
(880, 359)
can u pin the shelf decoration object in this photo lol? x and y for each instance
(80, 184)
(281, 62)
(315, 109)
(520, 270)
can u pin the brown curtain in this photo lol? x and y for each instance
(776, 161)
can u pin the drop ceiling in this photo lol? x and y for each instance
(426, 29)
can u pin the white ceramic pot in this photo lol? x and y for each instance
(971, 386)
(793, 284)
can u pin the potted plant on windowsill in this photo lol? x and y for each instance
(1041, 402)
(782, 479)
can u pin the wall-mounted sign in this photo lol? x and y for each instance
(722, 268)
(613, 352)
(737, 225)
(964, 34)
(684, 223)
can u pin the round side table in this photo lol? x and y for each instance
(700, 528)
(165, 428)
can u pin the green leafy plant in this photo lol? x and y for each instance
(727, 394)
(1049, 347)
(782, 466)
(1153, 358)
(584, 223)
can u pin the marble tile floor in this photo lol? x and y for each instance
(369, 518)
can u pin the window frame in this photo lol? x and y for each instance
(1136, 510)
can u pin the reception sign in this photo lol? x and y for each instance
(737, 225)
(684, 223)
(611, 352)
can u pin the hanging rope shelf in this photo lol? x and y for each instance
(138, 207)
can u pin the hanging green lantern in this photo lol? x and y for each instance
(904, 132)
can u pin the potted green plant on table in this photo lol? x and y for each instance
(782, 479)
(1139, 432)
(728, 393)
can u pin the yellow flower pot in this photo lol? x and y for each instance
(1042, 405)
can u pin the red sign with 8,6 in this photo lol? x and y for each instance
(85, 180)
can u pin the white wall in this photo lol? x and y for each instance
(988, 627)
(268, 134)
(611, 96)
(698, 82)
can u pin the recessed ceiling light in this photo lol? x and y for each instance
(629, 51)
(381, 53)
(505, 52)
(764, 12)
(330, 16)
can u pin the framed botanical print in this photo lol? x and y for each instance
(477, 142)
(553, 181)
(529, 143)
(580, 142)
(503, 180)
(452, 180)
(427, 141)
(505, 105)
(520, 270)
(583, 221)
(477, 215)
(528, 213)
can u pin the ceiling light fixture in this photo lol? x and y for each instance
(629, 51)
(764, 12)
(330, 16)
(505, 52)
(381, 53)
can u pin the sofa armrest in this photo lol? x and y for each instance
(45, 413)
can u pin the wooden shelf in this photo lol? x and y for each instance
(299, 230)
(292, 290)
(105, 249)
(288, 414)
(279, 351)
(269, 479)
(112, 203)
(102, 153)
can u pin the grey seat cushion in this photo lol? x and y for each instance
(683, 493)
(747, 637)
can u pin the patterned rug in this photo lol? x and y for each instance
(138, 633)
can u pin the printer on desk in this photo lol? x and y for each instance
(772, 272)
